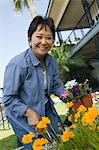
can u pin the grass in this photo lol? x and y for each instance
(5, 133)
(61, 108)
(7, 139)
(8, 143)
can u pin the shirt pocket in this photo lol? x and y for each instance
(30, 79)
(29, 88)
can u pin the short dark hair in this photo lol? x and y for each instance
(43, 21)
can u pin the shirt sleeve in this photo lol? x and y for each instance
(12, 84)
(57, 88)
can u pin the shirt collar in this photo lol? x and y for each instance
(35, 61)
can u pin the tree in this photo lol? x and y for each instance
(18, 4)
(61, 54)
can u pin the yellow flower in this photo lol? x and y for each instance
(69, 104)
(43, 123)
(73, 126)
(97, 128)
(76, 117)
(38, 143)
(44, 141)
(26, 139)
(46, 120)
(93, 126)
(67, 135)
(70, 117)
(41, 131)
(81, 109)
(89, 116)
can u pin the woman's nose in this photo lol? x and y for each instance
(43, 41)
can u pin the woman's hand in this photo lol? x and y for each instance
(32, 117)
(63, 96)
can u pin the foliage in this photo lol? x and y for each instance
(18, 4)
(85, 128)
(61, 54)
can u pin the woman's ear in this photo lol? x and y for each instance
(29, 41)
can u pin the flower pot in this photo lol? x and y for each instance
(87, 101)
(76, 105)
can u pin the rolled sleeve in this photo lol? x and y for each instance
(12, 84)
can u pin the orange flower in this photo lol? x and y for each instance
(89, 116)
(44, 141)
(81, 109)
(46, 120)
(93, 126)
(76, 117)
(70, 117)
(38, 143)
(67, 135)
(43, 123)
(69, 104)
(41, 131)
(26, 139)
(73, 126)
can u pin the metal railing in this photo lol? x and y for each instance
(79, 32)
(4, 124)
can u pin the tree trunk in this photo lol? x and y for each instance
(32, 8)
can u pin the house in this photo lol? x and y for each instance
(82, 18)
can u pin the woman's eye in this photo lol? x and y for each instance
(49, 38)
(39, 37)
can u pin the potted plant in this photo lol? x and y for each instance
(79, 94)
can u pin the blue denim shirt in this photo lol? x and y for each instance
(24, 86)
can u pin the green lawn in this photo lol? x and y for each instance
(8, 143)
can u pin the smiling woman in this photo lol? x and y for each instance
(34, 77)
(42, 39)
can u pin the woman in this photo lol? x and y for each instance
(30, 78)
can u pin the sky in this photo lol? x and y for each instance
(13, 30)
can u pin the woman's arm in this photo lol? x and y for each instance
(12, 83)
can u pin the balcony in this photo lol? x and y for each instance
(82, 18)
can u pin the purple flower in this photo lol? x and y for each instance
(75, 90)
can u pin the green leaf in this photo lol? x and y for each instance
(17, 5)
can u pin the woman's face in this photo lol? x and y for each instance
(41, 41)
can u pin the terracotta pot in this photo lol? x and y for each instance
(86, 101)
(76, 105)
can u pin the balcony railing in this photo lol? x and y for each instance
(79, 32)
(3, 120)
